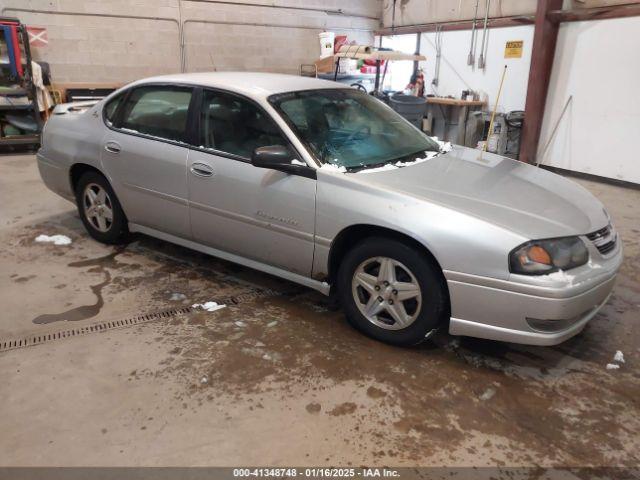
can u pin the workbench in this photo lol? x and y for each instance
(445, 106)
(78, 92)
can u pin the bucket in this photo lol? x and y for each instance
(410, 107)
(326, 44)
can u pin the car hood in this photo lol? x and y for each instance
(527, 200)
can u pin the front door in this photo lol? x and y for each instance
(257, 213)
(145, 156)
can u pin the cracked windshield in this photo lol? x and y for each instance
(350, 129)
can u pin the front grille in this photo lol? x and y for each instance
(604, 239)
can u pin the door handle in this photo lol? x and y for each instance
(201, 170)
(112, 147)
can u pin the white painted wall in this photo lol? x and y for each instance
(456, 75)
(601, 71)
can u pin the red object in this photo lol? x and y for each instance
(373, 62)
(338, 42)
(38, 36)
(16, 50)
(367, 69)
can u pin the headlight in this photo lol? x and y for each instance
(540, 257)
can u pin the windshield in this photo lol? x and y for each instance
(348, 128)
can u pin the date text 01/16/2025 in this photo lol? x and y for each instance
(316, 473)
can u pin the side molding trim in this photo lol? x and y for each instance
(322, 287)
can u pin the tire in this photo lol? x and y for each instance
(107, 222)
(365, 264)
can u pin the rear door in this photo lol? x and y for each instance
(145, 155)
(257, 213)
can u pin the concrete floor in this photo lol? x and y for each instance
(278, 379)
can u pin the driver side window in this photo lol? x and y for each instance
(234, 125)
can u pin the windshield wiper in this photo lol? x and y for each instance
(403, 159)
(414, 156)
(358, 168)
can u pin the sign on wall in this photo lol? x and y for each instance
(38, 36)
(513, 49)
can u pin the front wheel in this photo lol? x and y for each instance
(392, 291)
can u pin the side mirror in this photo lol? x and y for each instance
(279, 157)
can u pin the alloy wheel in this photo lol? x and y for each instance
(387, 293)
(98, 208)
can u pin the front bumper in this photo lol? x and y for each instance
(509, 310)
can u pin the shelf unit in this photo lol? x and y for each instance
(26, 83)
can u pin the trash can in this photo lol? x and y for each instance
(410, 107)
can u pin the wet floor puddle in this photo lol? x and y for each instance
(85, 312)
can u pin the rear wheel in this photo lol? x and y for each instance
(392, 291)
(100, 210)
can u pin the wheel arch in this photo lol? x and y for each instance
(77, 170)
(353, 234)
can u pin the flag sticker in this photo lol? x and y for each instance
(38, 36)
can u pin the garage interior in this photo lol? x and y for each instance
(106, 361)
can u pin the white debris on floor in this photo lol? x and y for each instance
(618, 357)
(208, 306)
(488, 394)
(272, 324)
(204, 380)
(240, 324)
(177, 297)
(55, 239)
(454, 344)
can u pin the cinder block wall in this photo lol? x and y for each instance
(117, 41)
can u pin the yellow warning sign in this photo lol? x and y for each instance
(513, 49)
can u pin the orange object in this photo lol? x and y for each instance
(539, 255)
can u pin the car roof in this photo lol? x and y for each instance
(253, 84)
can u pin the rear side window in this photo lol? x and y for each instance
(111, 108)
(158, 111)
(234, 125)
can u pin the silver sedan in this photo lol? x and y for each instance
(328, 187)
